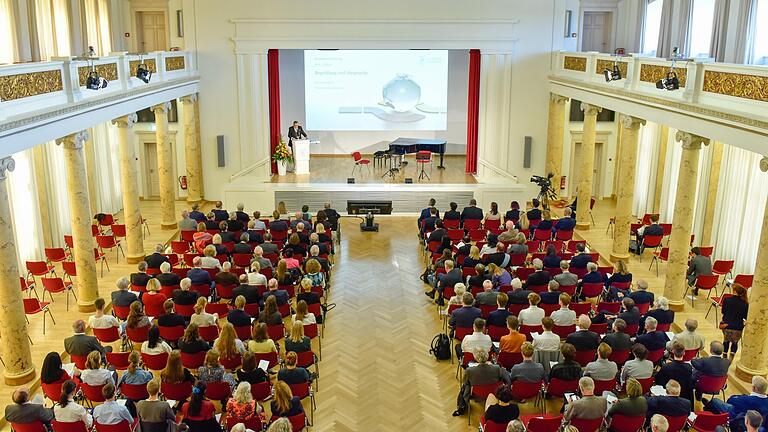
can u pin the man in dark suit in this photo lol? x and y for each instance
(234, 224)
(219, 213)
(196, 214)
(156, 258)
(450, 278)
(617, 339)
(583, 339)
(699, 265)
(498, 318)
(465, 316)
(428, 223)
(278, 224)
(166, 277)
(268, 247)
(333, 217)
(210, 222)
(641, 295)
(593, 276)
(483, 374)
(24, 411)
(295, 132)
(249, 292)
(678, 370)
(241, 215)
(280, 295)
(141, 278)
(472, 211)
(254, 235)
(671, 405)
(738, 405)
(122, 297)
(427, 212)
(653, 229)
(197, 275)
(243, 247)
(552, 295)
(714, 365)
(629, 313)
(539, 277)
(518, 295)
(183, 296)
(452, 214)
(567, 222)
(535, 212)
(225, 277)
(653, 340)
(237, 316)
(81, 344)
(301, 231)
(581, 258)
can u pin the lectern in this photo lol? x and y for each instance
(301, 156)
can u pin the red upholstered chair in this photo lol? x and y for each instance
(542, 423)
(107, 335)
(704, 283)
(57, 285)
(123, 426)
(92, 394)
(33, 306)
(231, 363)
(706, 250)
(218, 391)
(605, 385)
(209, 333)
(659, 255)
(480, 393)
(676, 424)
(298, 422)
(713, 385)
(625, 423)
(79, 360)
(155, 361)
(563, 331)
(708, 422)
(39, 268)
(269, 357)
(135, 392)
(109, 242)
(523, 390)
(171, 334)
(261, 391)
(54, 255)
(193, 361)
(36, 426)
(180, 391)
(360, 162)
(584, 425)
(118, 359)
(137, 335)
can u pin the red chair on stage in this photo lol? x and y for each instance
(360, 162)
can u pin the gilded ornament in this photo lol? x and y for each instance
(608, 64)
(575, 63)
(19, 86)
(174, 63)
(652, 73)
(753, 87)
(108, 71)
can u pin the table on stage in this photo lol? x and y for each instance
(401, 146)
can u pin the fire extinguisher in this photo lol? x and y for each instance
(562, 183)
(183, 182)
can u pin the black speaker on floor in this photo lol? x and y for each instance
(350, 180)
(408, 180)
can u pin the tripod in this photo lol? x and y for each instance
(392, 169)
(546, 194)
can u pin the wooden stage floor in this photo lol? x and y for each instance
(337, 168)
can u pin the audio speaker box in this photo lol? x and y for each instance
(220, 149)
(527, 152)
(408, 180)
(350, 180)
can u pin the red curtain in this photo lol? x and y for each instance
(273, 73)
(473, 110)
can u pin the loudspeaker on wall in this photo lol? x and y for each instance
(527, 152)
(220, 149)
(350, 180)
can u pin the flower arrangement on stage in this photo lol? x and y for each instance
(282, 152)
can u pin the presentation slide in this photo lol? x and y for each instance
(374, 90)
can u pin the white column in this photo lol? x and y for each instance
(134, 253)
(165, 167)
(192, 150)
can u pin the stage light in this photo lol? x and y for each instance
(143, 73)
(94, 81)
(612, 75)
(670, 82)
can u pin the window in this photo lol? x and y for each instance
(652, 24)
(759, 53)
(97, 26)
(7, 36)
(702, 20)
(53, 28)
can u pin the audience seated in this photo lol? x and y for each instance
(679, 370)
(170, 318)
(539, 276)
(471, 212)
(157, 258)
(199, 413)
(285, 404)
(249, 372)
(81, 344)
(671, 405)
(528, 370)
(227, 344)
(122, 297)
(512, 342)
(564, 316)
(602, 369)
(518, 295)
(136, 317)
(292, 374)
(652, 339)
(241, 407)
(201, 317)
(568, 369)
(67, 410)
(225, 276)
(688, 337)
(498, 317)
(100, 320)
(296, 341)
(588, 406)
(533, 314)
(94, 374)
(638, 368)
(699, 265)
(584, 339)
(155, 345)
(476, 340)
(738, 406)
(135, 374)
(581, 258)
(566, 278)
(52, 371)
(618, 340)
(153, 410)
(24, 410)
(567, 222)
(260, 343)
(141, 277)
(111, 412)
(714, 365)
(633, 405)
(213, 371)
(270, 315)
(191, 342)
(187, 223)
(480, 374)
(661, 313)
(175, 372)
(546, 340)
(641, 295)
(499, 406)
(488, 296)
(183, 295)
(237, 316)
(166, 277)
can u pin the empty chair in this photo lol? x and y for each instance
(33, 306)
(360, 162)
(57, 285)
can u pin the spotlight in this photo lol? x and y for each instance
(612, 75)
(94, 81)
(670, 82)
(143, 73)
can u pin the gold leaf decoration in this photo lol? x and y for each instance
(174, 63)
(608, 64)
(13, 87)
(108, 71)
(134, 64)
(575, 63)
(753, 87)
(652, 73)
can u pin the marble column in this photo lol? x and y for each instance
(714, 181)
(586, 170)
(134, 252)
(754, 352)
(165, 167)
(192, 150)
(663, 138)
(80, 210)
(625, 186)
(14, 345)
(555, 130)
(682, 221)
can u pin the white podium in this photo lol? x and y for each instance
(301, 156)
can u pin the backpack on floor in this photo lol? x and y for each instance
(441, 347)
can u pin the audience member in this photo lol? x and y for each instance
(110, 412)
(122, 297)
(584, 339)
(533, 314)
(528, 370)
(100, 320)
(738, 406)
(564, 316)
(633, 405)
(499, 406)
(679, 370)
(638, 368)
(81, 344)
(292, 374)
(67, 410)
(602, 369)
(588, 406)
(512, 342)
(670, 405)
(498, 317)
(699, 265)
(735, 310)
(566, 278)
(546, 340)
(481, 374)
(568, 369)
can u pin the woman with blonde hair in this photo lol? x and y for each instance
(283, 276)
(281, 209)
(241, 407)
(473, 259)
(460, 289)
(227, 344)
(322, 236)
(201, 238)
(136, 317)
(260, 343)
(209, 261)
(523, 223)
(296, 341)
(175, 372)
(153, 299)
(213, 371)
(285, 403)
(254, 277)
(94, 374)
(620, 275)
(202, 318)
(499, 275)
(280, 425)
(302, 315)
(315, 273)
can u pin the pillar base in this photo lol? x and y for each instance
(19, 378)
(134, 259)
(194, 199)
(169, 226)
(677, 305)
(617, 257)
(582, 226)
(745, 373)
(85, 306)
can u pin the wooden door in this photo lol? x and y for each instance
(596, 35)
(150, 168)
(151, 31)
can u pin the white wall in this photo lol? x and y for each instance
(345, 142)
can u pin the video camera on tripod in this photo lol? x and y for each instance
(546, 193)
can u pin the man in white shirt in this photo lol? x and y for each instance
(546, 341)
(100, 320)
(688, 337)
(477, 340)
(533, 314)
(564, 316)
(111, 412)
